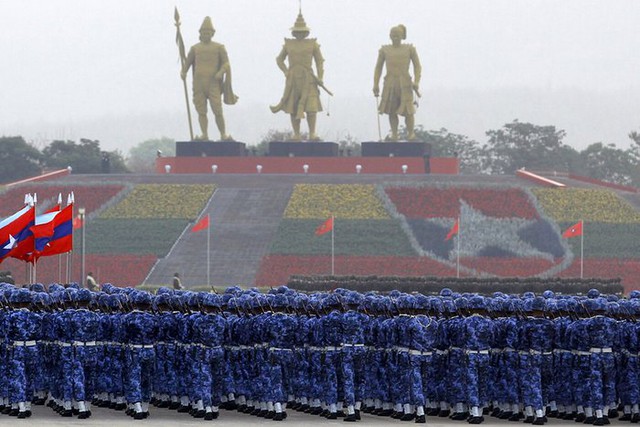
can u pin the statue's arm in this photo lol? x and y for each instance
(377, 73)
(191, 57)
(417, 68)
(280, 60)
(225, 66)
(319, 60)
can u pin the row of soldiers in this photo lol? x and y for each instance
(336, 354)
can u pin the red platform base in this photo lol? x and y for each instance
(316, 165)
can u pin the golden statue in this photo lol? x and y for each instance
(211, 79)
(397, 93)
(301, 93)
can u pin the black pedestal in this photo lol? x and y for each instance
(396, 149)
(210, 149)
(302, 149)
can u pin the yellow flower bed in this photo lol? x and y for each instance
(162, 201)
(354, 201)
(568, 205)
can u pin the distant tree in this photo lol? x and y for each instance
(524, 145)
(142, 157)
(83, 157)
(612, 164)
(18, 160)
(447, 144)
(350, 146)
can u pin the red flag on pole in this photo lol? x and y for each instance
(203, 224)
(77, 223)
(573, 231)
(325, 227)
(453, 231)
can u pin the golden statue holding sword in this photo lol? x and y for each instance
(397, 93)
(301, 95)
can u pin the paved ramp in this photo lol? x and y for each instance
(243, 224)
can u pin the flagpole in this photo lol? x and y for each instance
(582, 249)
(208, 252)
(333, 226)
(458, 251)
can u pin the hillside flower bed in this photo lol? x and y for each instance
(132, 236)
(607, 240)
(435, 202)
(276, 269)
(571, 205)
(508, 267)
(352, 237)
(175, 201)
(346, 201)
(626, 269)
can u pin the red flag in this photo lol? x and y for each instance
(77, 223)
(325, 227)
(453, 231)
(573, 231)
(202, 224)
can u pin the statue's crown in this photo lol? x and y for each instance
(300, 24)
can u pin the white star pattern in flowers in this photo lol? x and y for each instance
(478, 231)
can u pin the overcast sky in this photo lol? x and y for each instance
(109, 69)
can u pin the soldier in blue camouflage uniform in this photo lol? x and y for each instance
(602, 331)
(140, 330)
(454, 330)
(354, 323)
(23, 334)
(538, 333)
(478, 334)
(84, 333)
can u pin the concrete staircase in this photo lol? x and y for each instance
(244, 221)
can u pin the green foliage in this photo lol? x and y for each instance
(352, 237)
(519, 145)
(612, 164)
(142, 157)
(84, 157)
(131, 236)
(18, 160)
(447, 144)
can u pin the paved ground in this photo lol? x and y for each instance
(43, 416)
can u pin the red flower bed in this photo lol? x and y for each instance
(508, 267)
(121, 270)
(276, 269)
(626, 269)
(90, 197)
(439, 202)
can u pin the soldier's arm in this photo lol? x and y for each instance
(377, 73)
(280, 60)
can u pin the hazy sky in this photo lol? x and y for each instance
(109, 69)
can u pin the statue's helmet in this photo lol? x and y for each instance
(401, 30)
(207, 25)
(300, 25)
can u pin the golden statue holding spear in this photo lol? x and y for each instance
(211, 78)
(301, 94)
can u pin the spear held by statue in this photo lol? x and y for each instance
(183, 59)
